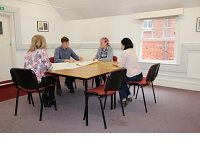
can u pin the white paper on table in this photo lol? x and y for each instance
(66, 65)
(85, 63)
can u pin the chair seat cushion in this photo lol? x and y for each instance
(143, 82)
(100, 91)
(35, 90)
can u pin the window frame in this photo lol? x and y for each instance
(175, 39)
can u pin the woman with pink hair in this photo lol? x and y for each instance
(104, 53)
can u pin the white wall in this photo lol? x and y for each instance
(85, 34)
(29, 14)
(185, 74)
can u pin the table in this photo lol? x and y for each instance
(86, 73)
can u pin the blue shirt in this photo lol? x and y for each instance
(61, 54)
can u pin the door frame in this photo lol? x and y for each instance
(12, 32)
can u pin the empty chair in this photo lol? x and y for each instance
(146, 81)
(25, 80)
(113, 83)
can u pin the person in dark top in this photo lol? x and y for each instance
(64, 54)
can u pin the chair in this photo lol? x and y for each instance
(25, 80)
(147, 81)
(113, 83)
(101, 80)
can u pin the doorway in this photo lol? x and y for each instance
(6, 49)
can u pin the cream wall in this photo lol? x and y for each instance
(84, 37)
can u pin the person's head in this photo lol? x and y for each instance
(126, 43)
(38, 42)
(65, 42)
(104, 42)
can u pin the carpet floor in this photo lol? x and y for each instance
(176, 111)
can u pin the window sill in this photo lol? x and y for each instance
(167, 62)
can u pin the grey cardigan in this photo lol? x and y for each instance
(105, 54)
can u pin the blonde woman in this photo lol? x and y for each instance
(37, 60)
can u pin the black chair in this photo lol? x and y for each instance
(115, 59)
(25, 80)
(147, 81)
(113, 83)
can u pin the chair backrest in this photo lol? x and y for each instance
(24, 78)
(115, 80)
(51, 59)
(115, 58)
(153, 72)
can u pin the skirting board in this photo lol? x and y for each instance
(187, 85)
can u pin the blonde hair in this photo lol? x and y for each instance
(38, 42)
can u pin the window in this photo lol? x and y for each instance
(158, 39)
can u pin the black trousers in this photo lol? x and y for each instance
(124, 90)
(69, 82)
(49, 92)
(98, 80)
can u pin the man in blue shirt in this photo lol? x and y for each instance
(63, 54)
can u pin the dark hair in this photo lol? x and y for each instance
(127, 43)
(64, 39)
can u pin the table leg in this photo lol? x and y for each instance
(86, 102)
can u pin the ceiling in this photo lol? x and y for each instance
(85, 9)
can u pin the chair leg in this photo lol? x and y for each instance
(55, 102)
(134, 90)
(92, 82)
(16, 105)
(103, 115)
(41, 107)
(58, 87)
(115, 101)
(144, 99)
(137, 92)
(31, 96)
(105, 102)
(122, 107)
(111, 107)
(154, 93)
(75, 84)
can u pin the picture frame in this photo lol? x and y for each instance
(198, 25)
(42, 26)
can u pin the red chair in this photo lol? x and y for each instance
(147, 81)
(113, 83)
(25, 80)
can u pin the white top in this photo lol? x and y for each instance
(129, 61)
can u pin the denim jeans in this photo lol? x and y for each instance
(124, 90)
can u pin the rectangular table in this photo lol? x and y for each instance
(86, 73)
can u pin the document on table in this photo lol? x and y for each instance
(85, 63)
(66, 65)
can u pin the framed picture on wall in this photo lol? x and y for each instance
(42, 26)
(1, 27)
(198, 25)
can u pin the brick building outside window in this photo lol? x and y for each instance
(158, 39)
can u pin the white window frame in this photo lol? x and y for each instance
(175, 39)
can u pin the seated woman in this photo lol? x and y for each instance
(104, 53)
(37, 60)
(129, 61)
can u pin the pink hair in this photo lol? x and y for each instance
(106, 40)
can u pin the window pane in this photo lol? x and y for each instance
(171, 22)
(170, 50)
(153, 50)
(147, 34)
(170, 32)
(158, 33)
(158, 23)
